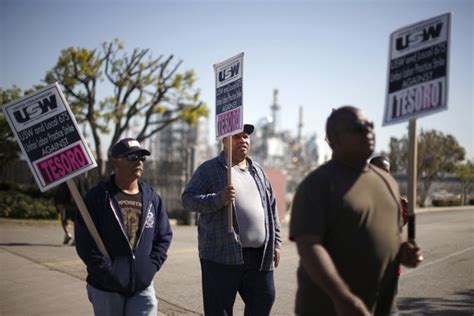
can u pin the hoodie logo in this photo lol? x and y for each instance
(150, 220)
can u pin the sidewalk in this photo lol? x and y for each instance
(32, 289)
(38, 275)
(22, 281)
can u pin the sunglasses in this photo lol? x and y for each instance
(135, 157)
(360, 127)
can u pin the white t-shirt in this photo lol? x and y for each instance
(249, 209)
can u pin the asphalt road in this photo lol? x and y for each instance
(442, 285)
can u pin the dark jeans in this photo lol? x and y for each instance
(221, 282)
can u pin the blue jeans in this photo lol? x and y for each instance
(221, 282)
(114, 304)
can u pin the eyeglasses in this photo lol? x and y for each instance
(135, 157)
(360, 127)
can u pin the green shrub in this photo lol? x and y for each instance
(440, 203)
(25, 201)
(447, 202)
(455, 202)
(30, 189)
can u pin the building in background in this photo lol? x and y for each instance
(285, 155)
(176, 151)
(281, 151)
(181, 142)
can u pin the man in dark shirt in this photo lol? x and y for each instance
(347, 227)
(132, 222)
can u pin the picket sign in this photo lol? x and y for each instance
(229, 182)
(412, 163)
(52, 143)
(86, 216)
(417, 85)
(229, 110)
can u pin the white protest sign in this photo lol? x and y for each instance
(49, 136)
(417, 83)
(229, 107)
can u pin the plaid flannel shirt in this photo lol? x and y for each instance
(201, 195)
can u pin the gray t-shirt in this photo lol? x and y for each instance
(356, 213)
(249, 209)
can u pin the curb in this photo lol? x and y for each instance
(444, 209)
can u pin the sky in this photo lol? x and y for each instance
(319, 54)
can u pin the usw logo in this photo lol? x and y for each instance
(414, 39)
(229, 72)
(34, 110)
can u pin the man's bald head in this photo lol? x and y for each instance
(350, 135)
(337, 119)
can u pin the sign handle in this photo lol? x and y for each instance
(229, 182)
(86, 216)
(412, 164)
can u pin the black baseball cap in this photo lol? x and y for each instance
(128, 146)
(248, 129)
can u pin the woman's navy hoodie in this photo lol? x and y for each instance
(127, 271)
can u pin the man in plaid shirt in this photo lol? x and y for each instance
(240, 261)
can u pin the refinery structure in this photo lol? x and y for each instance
(286, 155)
(292, 153)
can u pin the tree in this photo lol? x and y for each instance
(10, 149)
(465, 172)
(146, 92)
(437, 155)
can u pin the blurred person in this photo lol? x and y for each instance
(133, 224)
(347, 227)
(384, 163)
(66, 206)
(243, 260)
